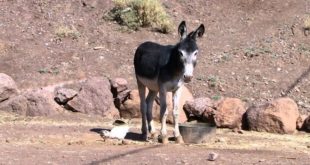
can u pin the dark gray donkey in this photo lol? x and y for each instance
(165, 69)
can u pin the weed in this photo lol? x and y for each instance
(304, 49)
(65, 32)
(306, 27)
(52, 70)
(212, 81)
(256, 51)
(307, 23)
(216, 97)
(140, 13)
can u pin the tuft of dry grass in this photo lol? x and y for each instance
(141, 13)
(307, 23)
(67, 32)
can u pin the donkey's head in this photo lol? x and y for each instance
(188, 50)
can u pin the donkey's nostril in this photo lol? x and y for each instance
(187, 78)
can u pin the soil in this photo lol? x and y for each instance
(255, 50)
(67, 140)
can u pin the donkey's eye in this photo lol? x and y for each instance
(180, 54)
(195, 54)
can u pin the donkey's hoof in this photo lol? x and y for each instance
(163, 139)
(153, 136)
(179, 140)
(144, 137)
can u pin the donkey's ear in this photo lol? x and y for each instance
(182, 30)
(199, 32)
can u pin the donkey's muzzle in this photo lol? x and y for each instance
(187, 79)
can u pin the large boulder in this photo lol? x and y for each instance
(8, 87)
(200, 109)
(229, 113)
(95, 98)
(37, 102)
(130, 108)
(277, 116)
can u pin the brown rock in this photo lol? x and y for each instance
(38, 102)
(63, 95)
(229, 113)
(278, 116)
(8, 87)
(300, 121)
(118, 85)
(94, 98)
(131, 107)
(200, 109)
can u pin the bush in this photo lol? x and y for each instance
(141, 13)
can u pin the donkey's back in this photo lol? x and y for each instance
(149, 58)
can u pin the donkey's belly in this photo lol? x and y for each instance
(152, 84)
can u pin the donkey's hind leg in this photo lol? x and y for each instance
(149, 102)
(143, 109)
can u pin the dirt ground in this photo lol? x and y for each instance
(67, 140)
(255, 50)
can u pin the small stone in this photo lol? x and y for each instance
(213, 156)
(125, 142)
(98, 47)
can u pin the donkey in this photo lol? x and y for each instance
(165, 69)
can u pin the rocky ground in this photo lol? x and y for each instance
(254, 50)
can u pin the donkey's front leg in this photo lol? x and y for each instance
(163, 115)
(175, 101)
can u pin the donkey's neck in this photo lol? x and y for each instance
(175, 63)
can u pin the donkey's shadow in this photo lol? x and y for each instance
(129, 136)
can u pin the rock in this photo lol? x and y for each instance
(118, 85)
(94, 98)
(8, 87)
(306, 125)
(38, 102)
(213, 156)
(200, 109)
(120, 91)
(130, 108)
(63, 95)
(121, 97)
(300, 121)
(229, 113)
(277, 116)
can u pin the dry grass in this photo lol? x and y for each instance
(67, 32)
(307, 23)
(141, 13)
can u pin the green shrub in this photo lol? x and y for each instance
(141, 13)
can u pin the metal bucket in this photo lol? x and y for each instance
(196, 132)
